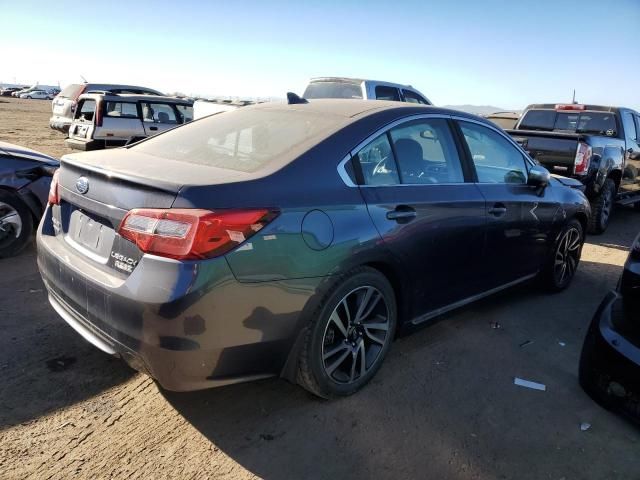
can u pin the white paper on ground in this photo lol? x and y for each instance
(528, 384)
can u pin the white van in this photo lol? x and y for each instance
(104, 120)
(64, 103)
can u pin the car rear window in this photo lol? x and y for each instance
(597, 123)
(333, 90)
(244, 140)
(86, 110)
(71, 91)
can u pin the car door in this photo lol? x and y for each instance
(632, 154)
(426, 209)
(158, 117)
(520, 218)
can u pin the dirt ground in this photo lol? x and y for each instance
(443, 406)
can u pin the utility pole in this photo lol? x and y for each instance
(574, 97)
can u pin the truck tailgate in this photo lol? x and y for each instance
(555, 151)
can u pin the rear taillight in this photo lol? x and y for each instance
(98, 121)
(54, 189)
(583, 159)
(188, 234)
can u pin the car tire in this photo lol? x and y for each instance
(349, 335)
(16, 225)
(602, 207)
(30, 98)
(563, 262)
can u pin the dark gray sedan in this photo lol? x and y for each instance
(298, 239)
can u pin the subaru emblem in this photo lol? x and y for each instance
(82, 185)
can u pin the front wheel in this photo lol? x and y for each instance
(602, 207)
(563, 263)
(16, 225)
(349, 336)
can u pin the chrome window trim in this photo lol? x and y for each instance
(342, 171)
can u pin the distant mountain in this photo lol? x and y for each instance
(477, 109)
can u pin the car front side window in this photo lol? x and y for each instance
(426, 153)
(496, 160)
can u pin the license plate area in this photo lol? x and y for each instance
(90, 236)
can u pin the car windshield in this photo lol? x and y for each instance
(599, 123)
(333, 90)
(243, 140)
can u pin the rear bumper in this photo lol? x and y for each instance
(610, 361)
(85, 145)
(60, 124)
(190, 326)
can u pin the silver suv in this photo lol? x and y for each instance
(104, 120)
(64, 104)
(341, 87)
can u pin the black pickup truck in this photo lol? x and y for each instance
(600, 146)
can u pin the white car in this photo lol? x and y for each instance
(39, 94)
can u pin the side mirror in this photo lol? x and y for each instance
(539, 176)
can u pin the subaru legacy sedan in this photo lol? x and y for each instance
(297, 239)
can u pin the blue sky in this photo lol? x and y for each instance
(506, 54)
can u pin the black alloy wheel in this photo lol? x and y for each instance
(349, 335)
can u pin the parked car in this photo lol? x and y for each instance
(105, 120)
(598, 145)
(64, 104)
(6, 92)
(340, 87)
(25, 177)
(296, 239)
(504, 119)
(610, 360)
(204, 108)
(37, 94)
(17, 93)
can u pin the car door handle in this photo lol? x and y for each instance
(153, 128)
(402, 214)
(498, 210)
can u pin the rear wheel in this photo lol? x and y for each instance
(349, 336)
(602, 207)
(16, 224)
(562, 265)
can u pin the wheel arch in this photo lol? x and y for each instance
(616, 176)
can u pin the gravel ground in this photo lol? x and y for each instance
(443, 406)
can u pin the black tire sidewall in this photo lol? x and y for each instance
(368, 277)
(551, 277)
(27, 224)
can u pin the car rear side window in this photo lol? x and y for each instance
(86, 110)
(244, 140)
(496, 159)
(538, 120)
(387, 93)
(186, 111)
(426, 153)
(413, 97)
(158, 113)
(377, 164)
(121, 109)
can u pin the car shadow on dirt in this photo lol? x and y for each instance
(443, 403)
(44, 364)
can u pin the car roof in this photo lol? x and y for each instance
(356, 109)
(134, 97)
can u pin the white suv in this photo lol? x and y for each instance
(64, 104)
(340, 87)
(104, 120)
